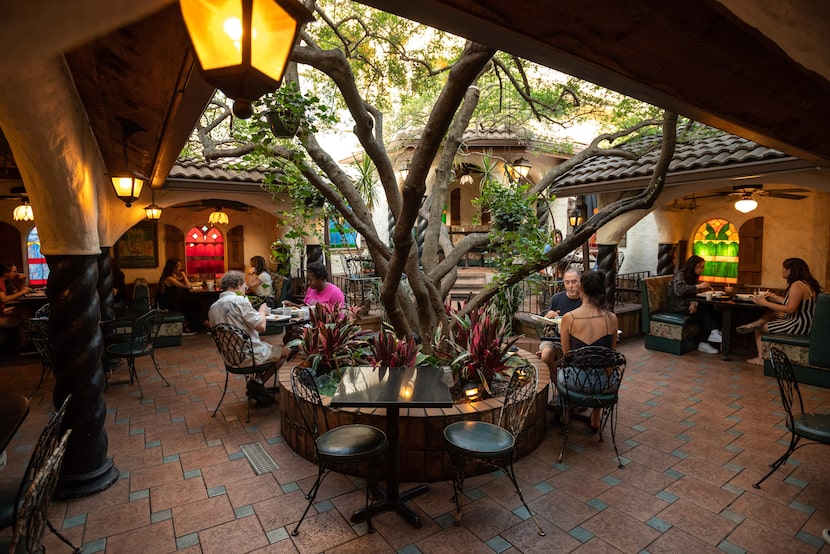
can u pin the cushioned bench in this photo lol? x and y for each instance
(809, 354)
(664, 331)
(170, 332)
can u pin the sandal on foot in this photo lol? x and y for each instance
(749, 327)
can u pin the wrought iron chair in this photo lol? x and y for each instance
(144, 331)
(44, 311)
(141, 297)
(810, 426)
(237, 351)
(492, 444)
(31, 522)
(38, 335)
(590, 376)
(347, 444)
(12, 494)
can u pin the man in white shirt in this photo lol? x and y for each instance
(234, 308)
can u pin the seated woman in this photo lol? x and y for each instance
(319, 289)
(683, 288)
(12, 288)
(172, 285)
(258, 278)
(791, 314)
(591, 324)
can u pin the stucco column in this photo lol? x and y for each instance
(77, 345)
(666, 258)
(607, 263)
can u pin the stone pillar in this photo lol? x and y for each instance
(77, 346)
(607, 263)
(666, 258)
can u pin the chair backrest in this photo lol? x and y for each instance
(145, 329)
(654, 297)
(31, 524)
(787, 384)
(43, 449)
(38, 335)
(309, 402)
(44, 311)
(234, 345)
(518, 400)
(592, 370)
(141, 295)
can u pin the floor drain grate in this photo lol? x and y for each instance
(260, 460)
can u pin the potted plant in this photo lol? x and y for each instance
(387, 350)
(285, 111)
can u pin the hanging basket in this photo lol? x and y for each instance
(283, 124)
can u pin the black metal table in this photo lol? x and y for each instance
(392, 389)
(13, 411)
(727, 306)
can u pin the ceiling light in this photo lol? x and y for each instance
(23, 212)
(218, 217)
(153, 211)
(746, 204)
(243, 45)
(127, 184)
(519, 168)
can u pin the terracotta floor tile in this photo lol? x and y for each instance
(703, 494)
(756, 537)
(153, 476)
(240, 535)
(202, 514)
(676, 540)
(156, 538)
(177, 493)
(632, 501)
(117, 519)
(621, 530)
(321, 532)
(698, 522)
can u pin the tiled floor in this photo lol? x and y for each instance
(695, 433)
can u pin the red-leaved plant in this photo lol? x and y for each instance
(387, 350)
(331, 340)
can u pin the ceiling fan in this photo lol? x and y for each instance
(746, 195)
(215, 204)
(17, 193)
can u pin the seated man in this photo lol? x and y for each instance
(550, 349)
(234, 308)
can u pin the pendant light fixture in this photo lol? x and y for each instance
(127, 183)
(153, 211)
(23, 212)
(746, 204)
(243, 45)
(218, 217)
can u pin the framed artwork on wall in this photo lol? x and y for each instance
(138, 247)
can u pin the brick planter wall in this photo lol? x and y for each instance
(423, 458)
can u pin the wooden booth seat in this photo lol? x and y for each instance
(664, 331)
(809, 354)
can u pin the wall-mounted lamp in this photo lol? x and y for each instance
(746, 204)
(574, 218)
(23, 212)
(218, 217)
(152, 211)
(127, 183)
(243, 45)
(519, 169)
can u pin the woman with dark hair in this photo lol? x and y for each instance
(258, 278)
(320, 291)
(171, 286)
(792, 314)
(591, 324)
(683, 288)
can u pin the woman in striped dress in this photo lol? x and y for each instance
(792, 314)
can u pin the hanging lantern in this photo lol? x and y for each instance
(243, 45)
(218, 217)
(23, 212)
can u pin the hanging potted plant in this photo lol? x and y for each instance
(285, 111)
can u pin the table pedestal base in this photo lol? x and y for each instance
(397, 504)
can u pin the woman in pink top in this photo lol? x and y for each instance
(319, 289)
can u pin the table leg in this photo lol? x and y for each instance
(394, 499)
(726, 332)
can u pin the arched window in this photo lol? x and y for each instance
(38, 270)
(204, 252)
(717, 242)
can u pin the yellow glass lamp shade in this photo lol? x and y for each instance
(127, 188)
(520, 168)
(23, 212)
(153, 211)
(218, 218)
(243, 45)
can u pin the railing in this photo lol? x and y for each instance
(359, 290)
(628, 286)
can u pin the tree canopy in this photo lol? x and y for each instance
(385, 76)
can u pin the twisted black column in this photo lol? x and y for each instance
(607, 263)
(666, 258)
(105, 284)
(77, 345)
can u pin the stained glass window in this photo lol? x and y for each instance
(38, 270)
(717, 242)
(204, 252)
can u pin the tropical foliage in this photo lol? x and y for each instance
(331, 340)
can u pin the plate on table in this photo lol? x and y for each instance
(743, 297)
(544, 320)
(276, 317)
